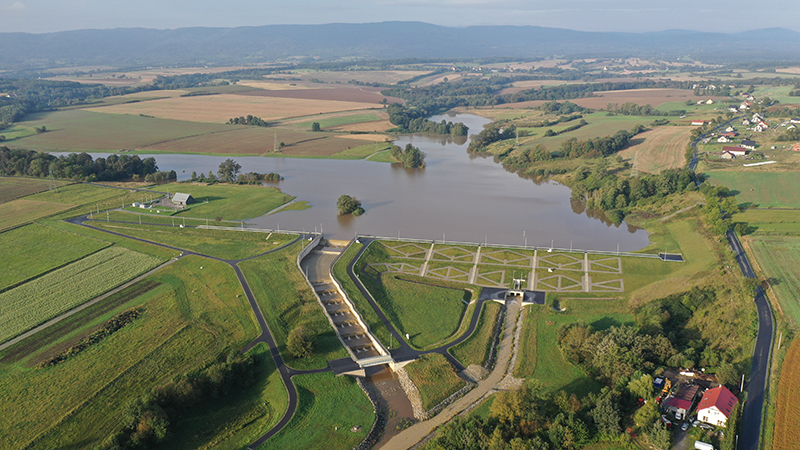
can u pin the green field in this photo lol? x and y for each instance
(185, 326)
(287, 302)
(81, 130)
(133, 217)
(475, 350)
(15, 132)
(28, 251)
(599, 124)
(765, 190)
(225, 244)
(428, 314)
(771, 221)
(435, 378)
(15, 187)
(36, 301)
(540, 356)
(779, 259)
(229, 202)
(22, 211)
(83, 198)
(330, 409)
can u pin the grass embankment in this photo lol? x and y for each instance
(190, 318)
(229, 202)
(361, 304)
(146, 219)
(429, 314)
(475, 350)
(225, 244)
(28, 251)
(287, 302)
(332, 412)
(36, 301)
(540, 356)
(435, 378)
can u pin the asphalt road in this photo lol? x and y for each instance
(759, 370)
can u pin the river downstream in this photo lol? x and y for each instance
(457, 197)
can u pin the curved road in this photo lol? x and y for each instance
(759, 370)
(285, 371)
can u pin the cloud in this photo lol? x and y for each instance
(16, 6)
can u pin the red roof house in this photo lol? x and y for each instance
(796, 147)
(716, 406)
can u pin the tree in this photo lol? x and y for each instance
(228, 170)
(646, 415)
(348, 204)
(606, 415)
(315, 126)
(660, 436)
(299, 342)
(642, 387)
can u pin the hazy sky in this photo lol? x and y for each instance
(41, 16)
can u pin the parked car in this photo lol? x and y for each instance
(685, 426)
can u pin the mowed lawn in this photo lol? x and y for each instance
(428, 314)
(225, 244)
(779, 259)
(188, 321)
(287, 302)
(28, 251)
(765, 190)
(332, 413)
(475, 350)
(229, 202)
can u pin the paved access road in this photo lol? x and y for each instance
(759, 371)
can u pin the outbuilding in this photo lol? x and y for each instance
(716, 406)
(182, 199)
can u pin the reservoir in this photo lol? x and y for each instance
(456, 197)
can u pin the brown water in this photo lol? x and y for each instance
(395, 402)
(458, 197)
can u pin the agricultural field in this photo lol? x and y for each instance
(229, 202)
(36, 301)
(28, 251)
(185, 326)
(435, 378)
(760, 189)
(287, 302)
(365, 76)
(784, 222)
(217, 109)
(225, 244)
(14, 187)
(88, 130)
(23, 210)
(787, 423)
(333, 412)
(778, 258)
(658, 149)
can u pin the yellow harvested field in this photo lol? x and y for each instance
(220, 108)
(795, 70)
(366, 76)
(787, 415)
(364, 137)
(273, 85)
(658, 149)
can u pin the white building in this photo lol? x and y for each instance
(716, 406)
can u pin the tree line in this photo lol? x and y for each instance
(414, 120)
(75, 166)
(248, 120)
(632, 109)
